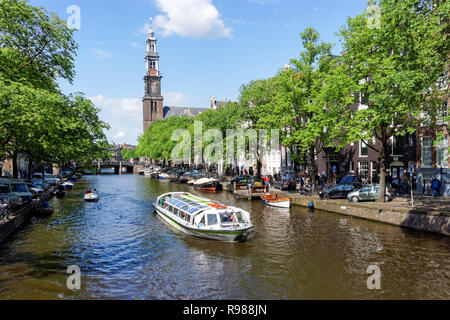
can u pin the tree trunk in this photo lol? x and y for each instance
(30, 169)
(15, 166)
(312, 159)
(383, 169)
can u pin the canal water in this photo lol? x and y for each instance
(126, 252)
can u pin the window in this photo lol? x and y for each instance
(411, 139)
(352, 166)
(364, 171)
(212, 219)
(364, 149)
(374, 172)
(427, 149)
(397, 145)
(442, 153)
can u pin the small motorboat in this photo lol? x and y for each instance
(164, 176)
(91, 197)
(142, 172)
(68, 185)
(60, 192)
(276, 201)
(183, 180)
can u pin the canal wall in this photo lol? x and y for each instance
(420, 219)
(18, 218)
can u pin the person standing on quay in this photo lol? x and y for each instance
(436, 187)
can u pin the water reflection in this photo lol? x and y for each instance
(126, 252)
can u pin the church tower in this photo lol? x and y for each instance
(153, 101)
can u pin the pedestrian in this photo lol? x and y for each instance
(436, 187)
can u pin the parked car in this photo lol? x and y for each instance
(340, 191)
(7, 197)
(369, 193)
(350, 178)
(52, 179)
(241, 179)
(35, 190)
(40, 183)
(286, 184)
(18, 188)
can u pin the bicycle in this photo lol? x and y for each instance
(4, 211)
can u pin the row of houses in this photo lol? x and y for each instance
(416, 152)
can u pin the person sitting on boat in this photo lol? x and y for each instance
(88, 191)
(95, 191)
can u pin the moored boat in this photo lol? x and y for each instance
(203, 217)
(207, 184)
(164, 176)
(276, 201)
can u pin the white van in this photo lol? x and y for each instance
(17, 188)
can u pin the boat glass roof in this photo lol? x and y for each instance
(189, 206)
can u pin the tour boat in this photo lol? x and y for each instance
(276, 201)
(203, 218)
(91, 197)
(207, 184)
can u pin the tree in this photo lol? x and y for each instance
(396, 67)
(36, 119)
(304, 101)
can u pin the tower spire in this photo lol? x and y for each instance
(151, 33)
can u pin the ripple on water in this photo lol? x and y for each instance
(126, 252)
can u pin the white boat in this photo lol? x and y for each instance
(68, 185)
(276, 201)
(164, 176)
(203, 218)
(91, 197)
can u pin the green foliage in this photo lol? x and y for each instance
(396, 68)
(127, 154)
(36, 119)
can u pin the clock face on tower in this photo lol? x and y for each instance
(153, 72)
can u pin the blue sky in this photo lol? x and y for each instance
(207, 48)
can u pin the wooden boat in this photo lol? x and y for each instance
(276, 201)
(206, 184)
(203, 218)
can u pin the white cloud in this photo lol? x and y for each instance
(101, 54)
(119, 135)
(173, 98)
(134, 44)
(190, 18)
(124, 115)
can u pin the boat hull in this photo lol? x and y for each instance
(227, 236)
(276, 202)
(91, 198)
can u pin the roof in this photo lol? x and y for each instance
(181, 111)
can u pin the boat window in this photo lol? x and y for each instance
(240, 217)
(170, 208)
(212, 219)
(226, 217)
